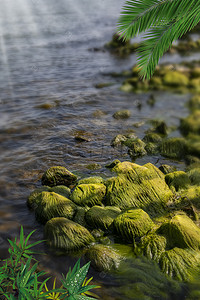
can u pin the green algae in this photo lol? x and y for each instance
(33, 200)
(152, 137)
(194, 176)
(132, 224)
(122, 114)
(165, 169)
(191, 124)
(93, 179)
(175, 78)
(177, 180)
(174, 147)
(58, 176)
(62, 190)
(65, 234)
(101, 217)
(136, 147)
(79, 216)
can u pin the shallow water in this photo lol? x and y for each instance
(47, 56)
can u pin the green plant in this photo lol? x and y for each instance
(163, 21)
(20, 279)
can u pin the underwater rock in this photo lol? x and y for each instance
(58, 176)
(65, 234)
(174, 147)
(136, 147)
(51, 205)
(138, 186)
(132, 224)
(191, 124)
(32, 201)
(92, 179)
(177, 180)
(103, 258)
(194, 176)
(88, 194)
(102, 217)
(174, 78)
(165, 169)
(122, 114)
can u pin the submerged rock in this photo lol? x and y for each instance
(65, 234)
(177, 180)
(58, 176)
(103, 258)
(102, 217)
(88, 194)
(132, 224)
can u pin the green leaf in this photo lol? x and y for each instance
(21, 243)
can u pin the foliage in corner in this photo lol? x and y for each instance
(163, 21)
(20, 279)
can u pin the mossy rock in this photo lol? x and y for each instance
(126, 87)
(65, 234)
(181, 264)
(181, 232)
(160, 127)
(122, 114)
(178, 180)
(136, 147)
(174, 147)
(88, 194)
(58, 176)
(174, 78)
(118, 140)
(51, 205)
(192, 195)
(194, 176)
(194, 103)
(195, 84)
(103, 258)
(132, 224)
(191, 124)
(61, 190)
(151, 148)
(139, 187)
(93, 179)
(33, 200)
(151, 246)
(102, 217)
(193, 145)
(152, 137)
(165, 169)
(79, 216)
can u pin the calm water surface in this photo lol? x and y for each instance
(47, 56)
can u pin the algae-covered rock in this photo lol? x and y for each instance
(174, 147)
(126, 87)
(33, 200)
(191, 124)
(132, 224)
(122, 114)
(136, 147)
(51, 205)
(89, 180)
(193, 145)
(79, 216)
(62, 190)
(65, 234)
(101, 217)
(194, 176)
(174, 78)
(118, 140)
(58, 176)
(152, 137)
(192, 195)
(165, 169)
(194, 103)
(151, 148)
(103, 258)
(88, 194)
(195, 84)
(160, 127)
(177, 180)
(182, 264)
(181, 232)
(138, 186)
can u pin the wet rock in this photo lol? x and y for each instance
(98, 113)
(32, 201)
(94, 166)
(118, 140)
(195, 84)
(136, 147)
(191, 195)
(58, 176)
(178, 180)
(165, 169)
(112, 164)
(126, 87)
(82, 136)
(152, 137)
(194, 176)
(102, 217)
(93, 179)
(191, 124)
(45, 106)
(103, 258)
(195, 72)
(174, 147)
(122, 114)
(88, 194)
(132, 224)
(61, 190)
(51, 205)
(194, 103)
(151, 148)
(193, 145)
(103, 84)
(79, 216)
(174, 78)
(65, 234)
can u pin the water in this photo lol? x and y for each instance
(47, 57)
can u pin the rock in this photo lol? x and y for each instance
(138, 186)
(174, 78)
(152, 137)
(132, 224)
(93, 179)
(65, 234)
(80, 216)
(151, 148)
(58, 176)
(195, 84)
(32, 201)
(98, 113)
(103, 258)
(136, 147)
(177, 180)
(102, 217)
(157, 83)
(103, 84)
(45, 106)
(195, 73)
(174, 147)
(194, 176)
(82, 136)
(165, 169)
(118, 140)
(193, 145)
(88, 194)
(51, 205)
(122, 114)
(112, 164)
(194, 103)
(94, 166)
(192, 195)
(191, 124)
(126, 87)
(61, 190)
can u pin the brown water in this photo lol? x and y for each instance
(47, 56)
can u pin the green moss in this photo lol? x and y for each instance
(192, 195)
(136, 147)
(93, 179)
(65, 234)
(122, 114)
(182, 264)
(152, 137)
(191, 124)
(195, 84)
(58, 176)
(61, 190)
(181, 232)
(174, 147)
(138, 186)
(118, 140)
(101, 217)
(193, 145)
(151, 148)
(194, 103)
(165, 169)
(178, 180)
(80, 216)
(174, 78)
(51, 205)
(88, 194)
(194, 176)
(103, 258)
(132, 224)
(33, 200)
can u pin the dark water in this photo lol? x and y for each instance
(47, 57)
